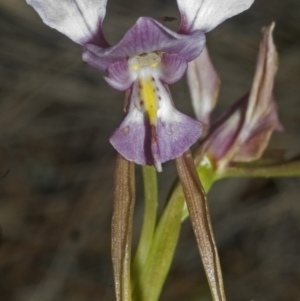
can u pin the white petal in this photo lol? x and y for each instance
(80, 20)
(205, 15)
(204, 84)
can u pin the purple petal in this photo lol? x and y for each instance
(119, 76)
(205, 15)
(258, 138)
(225, 132)
(173, 68)
(80, 20)
(147, 35)
(204, 84)
(176, 132)
(133, 138)
(152, 144)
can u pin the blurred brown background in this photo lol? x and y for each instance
(56, 164)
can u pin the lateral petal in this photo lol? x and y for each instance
(173, 68)
(204, 85)
(80, 20)
(205, 15)
(119, 76)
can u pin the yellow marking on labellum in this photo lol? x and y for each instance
(149, 96)
(143, 60)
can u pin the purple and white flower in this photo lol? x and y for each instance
(148, 59)
(243, 132)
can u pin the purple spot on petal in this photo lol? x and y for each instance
(126, 130)
(134, 145)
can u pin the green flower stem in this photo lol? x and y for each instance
(150, 210)
(150, 281)
(288, 169)
(152, 278)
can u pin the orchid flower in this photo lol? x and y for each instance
(147, 59)
(243, 132)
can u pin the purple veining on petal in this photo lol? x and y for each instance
(176, 132)
(173, 68)
(80, 20)
(119, 76)
(147, 35)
